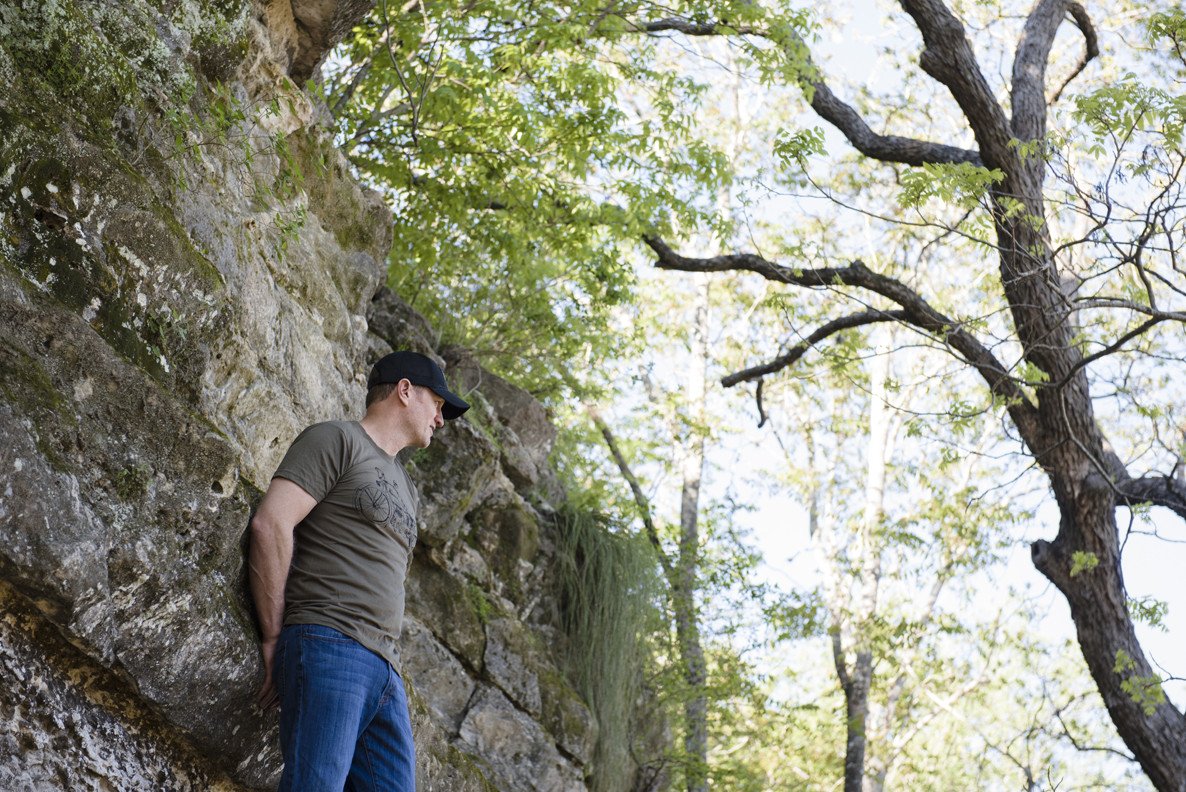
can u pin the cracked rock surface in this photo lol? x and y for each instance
(172, 313)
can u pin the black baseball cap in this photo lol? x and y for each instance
(419, 370)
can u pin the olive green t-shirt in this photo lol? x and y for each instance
(351, 553)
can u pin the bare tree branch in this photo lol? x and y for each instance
(916, 311)
(762, 416)
(1086, 303)
(640, 499)
(798, 350)
(947, 56)
(1029, 69)
(347, 93)
(690, 28)
(1083, 22)
(1082, 748)
(886, 148)
(838, 657)
(1112, 348)
(1164, 491)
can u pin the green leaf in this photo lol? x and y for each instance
(962, 184)
(1082, 561)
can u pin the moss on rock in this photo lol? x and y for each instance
(444, 603)
(506, 532)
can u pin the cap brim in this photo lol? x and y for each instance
(454, 404)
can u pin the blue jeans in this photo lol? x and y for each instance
(344, 721)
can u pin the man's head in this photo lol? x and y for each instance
(419, 370)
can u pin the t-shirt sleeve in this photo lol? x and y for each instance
(315, 460)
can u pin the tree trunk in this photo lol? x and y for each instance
(856, 701)
(870, 573)
(1150, 725)
(683, 572)
(1069, 445)
(857, 680)
(687, 568)
(1066, 440)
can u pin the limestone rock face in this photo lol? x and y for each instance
(516, 747)
(189, 277)
(525, 433)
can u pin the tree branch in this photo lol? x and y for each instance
(1164, 491)
(947, 56)
(1083, 22)
(1066, 732)
(762, 416)
(690, 28)
(886, 148)
(640, 498)
(1085, 303)
(1112, 348)
(348, 92)
(1029, 69)
(838, 658)
(798, 350)
(916, 311)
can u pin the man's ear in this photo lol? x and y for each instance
(404, 389)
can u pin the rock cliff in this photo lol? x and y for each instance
(190, 276)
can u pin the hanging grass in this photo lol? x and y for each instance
(607, 583)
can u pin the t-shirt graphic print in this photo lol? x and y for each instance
(381, 502)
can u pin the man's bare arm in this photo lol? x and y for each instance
(284, 505)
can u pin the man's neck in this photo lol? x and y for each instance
(386, 433)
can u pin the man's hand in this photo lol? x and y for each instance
(268, 697)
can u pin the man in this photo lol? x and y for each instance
(331, 544)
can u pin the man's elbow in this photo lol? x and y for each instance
(266, 529)
(259, 525)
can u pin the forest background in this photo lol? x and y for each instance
(888, 328)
